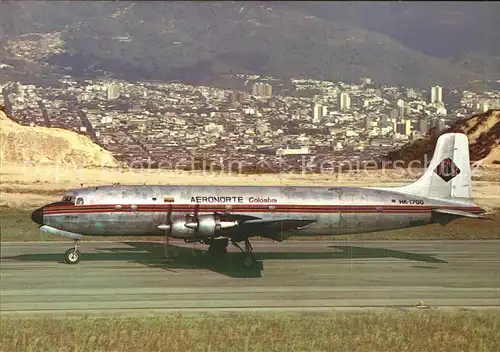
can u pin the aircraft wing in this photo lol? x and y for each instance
(272, 228)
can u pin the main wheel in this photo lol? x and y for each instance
(72, 256)
(218, 247)
(248, 260)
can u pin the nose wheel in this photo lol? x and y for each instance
(72, 255)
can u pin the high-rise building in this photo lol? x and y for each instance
(241, 97)
(232, 98)
(262, 89)
(318, 112)
(112, 91)
(344, 101)
(268, 90)
(407, 128)
(256, 89)
(436, 94)
(236, 97)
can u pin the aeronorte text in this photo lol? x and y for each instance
(215, 199)
(227, 199)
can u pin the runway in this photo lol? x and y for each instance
(134, 277)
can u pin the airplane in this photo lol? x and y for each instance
(219, 215)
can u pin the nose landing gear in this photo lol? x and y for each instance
(72, 255)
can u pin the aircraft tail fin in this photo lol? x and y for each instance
(448, 175)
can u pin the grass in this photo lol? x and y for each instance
(374, 331)
(16, 225)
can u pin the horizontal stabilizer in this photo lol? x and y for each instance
(460, 213)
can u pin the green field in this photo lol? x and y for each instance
(16, 225)
(390, 331)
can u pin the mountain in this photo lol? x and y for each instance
(482, 130)
(190, 41)
(437, 29)
(48, 145)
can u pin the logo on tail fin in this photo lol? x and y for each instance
(447, 170)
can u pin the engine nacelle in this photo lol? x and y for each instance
(191, 226)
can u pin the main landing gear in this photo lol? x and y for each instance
(218, 248)
(72, 255)
(248, 257)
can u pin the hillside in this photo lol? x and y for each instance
(19, 144)
(483, 131)
(196, 41)
(437, 29)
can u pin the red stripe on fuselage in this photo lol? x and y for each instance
(249, 208)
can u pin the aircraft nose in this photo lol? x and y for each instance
(37, 216)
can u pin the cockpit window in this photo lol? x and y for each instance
(68, 199)
(79, 201)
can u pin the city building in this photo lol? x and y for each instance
(262, 89)
(410, 93)
(236, 97)
(485, 105)
(436, 94)
(318, 112)
(292, 151)
(112, 91)
(402, 111)
(365, 81)
(399, 128)
(344, 101)
(407, 127)
(423, 124)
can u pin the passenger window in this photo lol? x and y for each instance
(79, 201)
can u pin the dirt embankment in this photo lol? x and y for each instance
(21, 144)
(483, 131)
